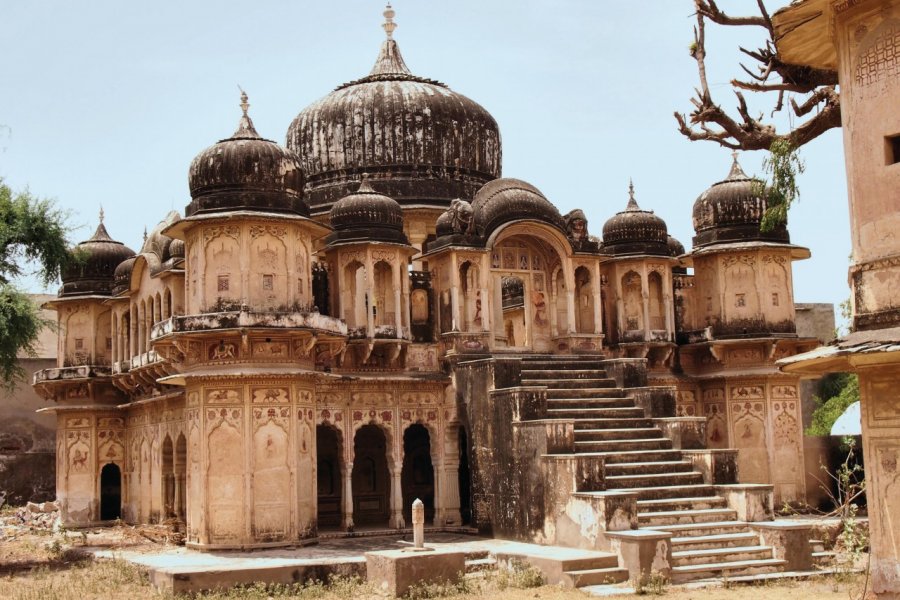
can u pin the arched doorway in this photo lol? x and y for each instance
(417, 477)
(465, 479)
(328, 477)
(370, 477)
(168, 478)
(110, 492)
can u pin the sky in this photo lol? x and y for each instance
(105, 102)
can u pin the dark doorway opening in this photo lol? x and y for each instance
(110, 492)
(328, 477)
(465, 479)
(371, 480)
(417, 477)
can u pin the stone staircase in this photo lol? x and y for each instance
(708, 540)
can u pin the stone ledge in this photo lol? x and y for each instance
(395, 571)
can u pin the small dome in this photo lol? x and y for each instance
(676, 248)
(246, 172)
(635, 231)
(732, 211)
(504, 200)
(122, 277)
(98, 258)
(424, 143)
(366, 216)
(176, 250)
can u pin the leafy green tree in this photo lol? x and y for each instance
(836, 392)
(33, 241)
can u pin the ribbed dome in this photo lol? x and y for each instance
(422, 142)
(246, 172)
(94, 273)
(732, 210)
(122, 277)
(366, 215)
(159, 249)
(505, 200)
(676, 248)
(635, 231)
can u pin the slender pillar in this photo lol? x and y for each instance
(645, 295)
(370, 294)
(670, 317)
(454, 307)
(397, 521)
(398, 306)
(449, 492)
(570, 308)
(347, 497)
(178, 509)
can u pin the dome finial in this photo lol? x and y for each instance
(364, 187)
(632, 203)
(245, 106)
(736, 171)
(245, 129)
(389, 25)
(101, 214)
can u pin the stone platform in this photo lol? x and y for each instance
(181, 570)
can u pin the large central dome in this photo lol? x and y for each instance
(419, 141)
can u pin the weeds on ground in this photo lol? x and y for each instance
(652, 584)
(443, 589)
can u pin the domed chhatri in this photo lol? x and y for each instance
(246, 172)
(423, 142)
(506, 200)
(732, 211)
(366, 215)
(635, 231)
(94, 273)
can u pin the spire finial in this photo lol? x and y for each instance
(389, 25)
(632, 203)
(736, 171)
(101, 214)
(145, 233)
(245, 106)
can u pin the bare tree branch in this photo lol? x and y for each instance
(709, 122)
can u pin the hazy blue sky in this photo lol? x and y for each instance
(106, 102)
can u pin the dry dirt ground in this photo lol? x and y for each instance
(47, 566)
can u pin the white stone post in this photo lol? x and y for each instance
(418, 519)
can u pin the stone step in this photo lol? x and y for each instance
(720, 555)
(634, 456)
(674, 491)
(613, 423)
(570, 374)
(571, 384)
(824, 558)
(699, 530)
(481, 564)
(599, 391)
(619, 445)
(643, 433)
(662, 504)
(681, 517)
(583, 403)
(579, 413)
(588, 577)
(557, 365)
(740, 568)
(817, 545)
(619, 482)
(721, 540)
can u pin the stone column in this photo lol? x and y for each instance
(177, 508)
(620, 315)
(398, 306)
(449, 494)
(370, 295)
(554, 314)
(347, 496)
(455, 313)
(570, 308)
(396, 520)
(670, 318)
(598, 300)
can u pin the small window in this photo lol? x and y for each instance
(892, 149)
(79, 343)
(740, 300)
(774, 298)
(223, 283)
(268, 282)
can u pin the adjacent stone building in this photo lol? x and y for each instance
(373, 314)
